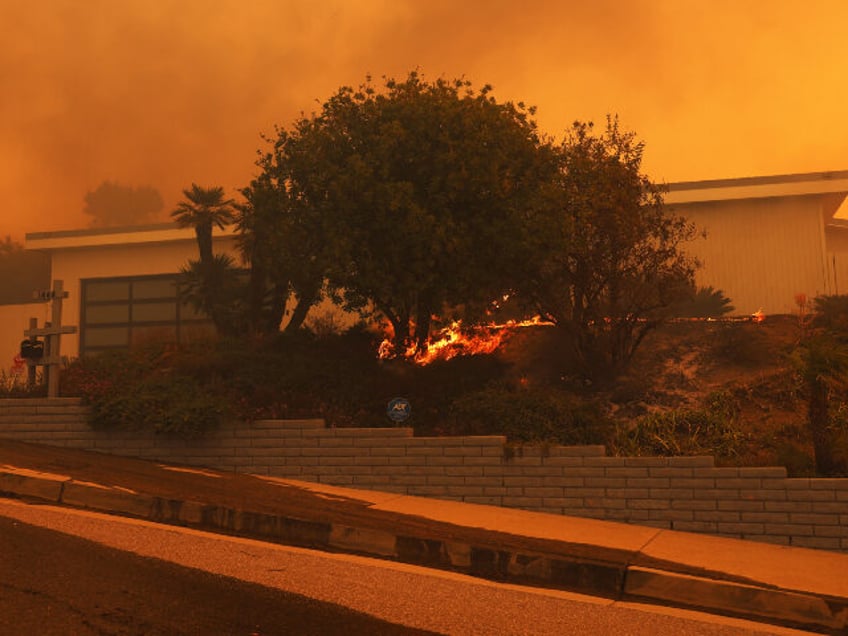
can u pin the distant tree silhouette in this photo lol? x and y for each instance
(112, 204)
(21, 272)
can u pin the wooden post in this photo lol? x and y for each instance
(31, 364)
(52, 332)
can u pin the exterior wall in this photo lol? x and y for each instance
(13, 320)
(761, 252)
(72, 265)
(837, 256)
(681, 493)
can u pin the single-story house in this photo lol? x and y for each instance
(767, 239)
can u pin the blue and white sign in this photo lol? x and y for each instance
(399, 409)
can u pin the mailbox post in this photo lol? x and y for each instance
(52, 332)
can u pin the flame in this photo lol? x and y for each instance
(454, 340)
(758, 316)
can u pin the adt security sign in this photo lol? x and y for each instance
(399, 409)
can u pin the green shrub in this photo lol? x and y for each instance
(709, 430)
(739, 343)
(140, 390)
(528, 415)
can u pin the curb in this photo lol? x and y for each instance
(615, 578)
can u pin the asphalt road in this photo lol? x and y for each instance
(55, 584)
(67, 572)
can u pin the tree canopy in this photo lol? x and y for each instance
(417, 194)
(610, 262)
(113, 204)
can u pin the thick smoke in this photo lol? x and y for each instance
(169, 92)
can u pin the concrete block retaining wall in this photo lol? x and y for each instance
(681, 493)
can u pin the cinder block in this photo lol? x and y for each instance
(765, 517)
(763, 495)
(741, 528)
(724, 472)
(337, 440)
(484, 460)
(671, 515)
(691, 462)
(717, 516)
(604, 462)
(788, 506)
(542, 491)
(648, 482)
(464, 471)
(648, 504)
(671, 494)
(791, 530)
(831, 531)
(811, 495)
(566, 461)
(646, 462)
(673, 473)
(833, 483)
(463, 491)
(522, 502)
(370, 460)
(825, 543)
(814, 519)
(605, 482)
(748, 506)
(628, 493)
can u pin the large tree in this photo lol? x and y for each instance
(610, 258)
(418, 193)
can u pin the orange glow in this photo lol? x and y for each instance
(453, 341)
(168, 93)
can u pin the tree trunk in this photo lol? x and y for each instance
(422, 327)
(301, 309)
(203, 232)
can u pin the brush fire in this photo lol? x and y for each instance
(457, 340)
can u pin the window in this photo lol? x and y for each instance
(117, 313)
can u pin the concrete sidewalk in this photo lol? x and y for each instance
(783, 585)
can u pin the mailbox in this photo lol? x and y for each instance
(32, 349)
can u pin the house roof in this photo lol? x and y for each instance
(811, 183)
(128, 235)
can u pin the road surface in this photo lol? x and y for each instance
(65, 571)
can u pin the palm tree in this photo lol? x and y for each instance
(208, 283)
(203, 209)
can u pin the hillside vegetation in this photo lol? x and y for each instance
(722, 388)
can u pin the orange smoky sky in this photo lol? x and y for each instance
(169, 92)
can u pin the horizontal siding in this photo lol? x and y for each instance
(760, 253)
